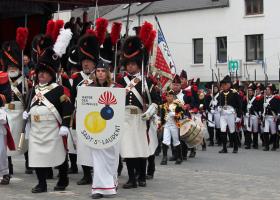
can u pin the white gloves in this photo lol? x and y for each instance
(265, 104)
(150, 112)
(237, 120)
(63, 131)
(212, 111)
(25, 115)
(247, 115)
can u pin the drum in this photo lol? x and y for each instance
(191, 133)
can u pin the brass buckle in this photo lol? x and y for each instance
(133, 111)
(36, 118)
(11, 106)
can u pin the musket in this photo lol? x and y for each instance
(22, 134)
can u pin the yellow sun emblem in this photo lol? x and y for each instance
(94, 123)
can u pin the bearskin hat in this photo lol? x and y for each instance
(89, 48)
(106, 52)
(183, 74)
(252, 86)
(176, 79)
(260, 86)
(134, 51)
(39, 44)
(73, 59)
(208, 85)
(272, 87)
(49, 62)
(236, 85)
(226, 79)
(11, 54)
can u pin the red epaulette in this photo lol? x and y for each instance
(259, 97)
(64, 75)
(4, 78)
(75, 75)
(195, 88)
(188, 93)
(66, 91)
(277, 97)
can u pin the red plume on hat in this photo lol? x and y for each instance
(101, 29)
(116, 32)
(50, 28)
(58, 25)
(21, 37)
(91, 32)
(147, 35)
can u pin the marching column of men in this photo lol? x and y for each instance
(48, 108)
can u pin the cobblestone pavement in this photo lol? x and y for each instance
(248, 175)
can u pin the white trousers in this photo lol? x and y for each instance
(217, 117)
(253, 123)
(269, 124)
(3, 155)
(171, 132)
(105, 166)
(227, 120)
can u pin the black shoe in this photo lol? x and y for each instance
(149, 177)
(172, 158)
(39, 189)
(142, 183)
(28, 171)
(211, 144)
(130, 185)
(73, 170)
(192, 154)
(266, 148)
(248, 147)
(235, 151)
(223, 151)
(61, 184)
(255, 147)
(273, 149)
(178, 161)
(97, 196)
(164, 160)
(5, 180)
(84, 181)
(185, 158)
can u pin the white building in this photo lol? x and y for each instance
(205, 34)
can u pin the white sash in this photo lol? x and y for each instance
(15, 89)
(40, 95)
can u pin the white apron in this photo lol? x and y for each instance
(46, 147)
(134, 142)
(3, 152)
(153, 139)
(15, 122)
(105, 166)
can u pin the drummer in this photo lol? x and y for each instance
(170, 113)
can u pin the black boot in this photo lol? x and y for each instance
(151, 167)
(235, 142)
(178, 155)
(266, 141)
(164, 154)
(277, 141)
(273, 137)
(63, 180)
(211, 136)
(130, 164)
(255, 141)
(193, 152)
(173, 157)
(28, 170)
(11, 167)
(50, 173)
(203, 145)
(87, 178)
(73, 161)
(223, 137)
(184, 148)
(120, 167)
(41, 176)
(5, 180)
(230, 140)
(247, 136)
(218, 136)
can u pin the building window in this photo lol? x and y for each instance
(198, 50)
(254, 7)
(222, 49)
(254, 47)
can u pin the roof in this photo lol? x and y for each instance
(168, 6)
(122, 10)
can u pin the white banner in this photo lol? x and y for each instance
(100, 115)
